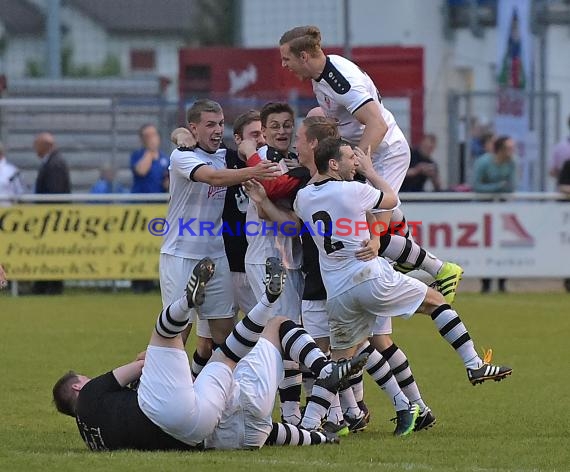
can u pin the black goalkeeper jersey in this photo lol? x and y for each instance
(109, 418)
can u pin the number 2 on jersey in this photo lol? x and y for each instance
(330, 247)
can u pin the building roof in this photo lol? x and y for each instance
(138, 16)
(21, 17)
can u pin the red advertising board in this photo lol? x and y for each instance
(235, 72)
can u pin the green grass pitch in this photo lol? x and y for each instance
(520, 424)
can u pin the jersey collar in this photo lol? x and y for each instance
(328, 68)
(322, 182)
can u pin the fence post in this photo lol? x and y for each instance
(113, 132)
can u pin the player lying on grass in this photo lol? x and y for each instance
(230, 404)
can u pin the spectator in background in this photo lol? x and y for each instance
(488, 140)
(149, 164)
(3, 278)
(107, 183)
(422, 167)
(564, 187)
(560, 155)
(10, 182)
(496, 173)
(150, 173)
(53, 177)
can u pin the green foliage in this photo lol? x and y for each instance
(34, 69)
(520, 424)
(111, 67)
(214, 22)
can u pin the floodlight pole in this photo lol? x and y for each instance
(53, 32)
(346, 18)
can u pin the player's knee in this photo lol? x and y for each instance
(432, 300)
(381, 342)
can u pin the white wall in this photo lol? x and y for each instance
(19, 52)
(87, 38)
(166, 54)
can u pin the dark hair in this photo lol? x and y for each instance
(63, 396)
(432, 137)
(319, 127)
(500, 143)
(145, 126)
(487, 137)
(204, 105)
(274, 107)
(327, 149)
(302, 38)
(245, 119)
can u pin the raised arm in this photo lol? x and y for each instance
(375, 127)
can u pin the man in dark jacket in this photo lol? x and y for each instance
(53, 177)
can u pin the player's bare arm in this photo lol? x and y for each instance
(268, 210)
(129, 372)
(228, 177)
(375, 127)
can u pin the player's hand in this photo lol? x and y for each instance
(3, 278)
(255, 191)
(363, 161)
(182, 137)
(247, 148)
(369, 250)
(266, 170)
(141, 356)
(291, 163)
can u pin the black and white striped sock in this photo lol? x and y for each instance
(356, 382)
(348, 402)
(197, 364)
(379, 369)
(400, 367)
(247, 332)
(407, 253)
(290, 435)
(455, 333)
(290, 393)
(298, 346)
(173, 319)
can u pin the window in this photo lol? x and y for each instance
(143, 59)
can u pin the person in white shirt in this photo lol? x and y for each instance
(348, 95)
(266, 239)
(10, 182)
(358, 290)
(198, 181)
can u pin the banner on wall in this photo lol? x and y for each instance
(80, 242)
(514, 65)
(518, 239)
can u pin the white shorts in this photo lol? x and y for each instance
(352, 314)
(382, 325)
(393, 163)
(315, 318)
(186, 411)
(174, 275)
(244, 298)
(247, 423)
(289, 302)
